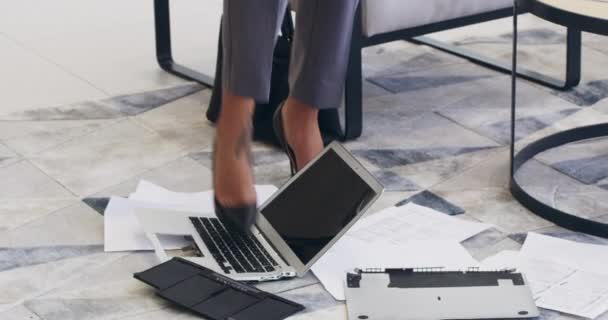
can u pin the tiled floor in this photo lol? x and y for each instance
(86, 113)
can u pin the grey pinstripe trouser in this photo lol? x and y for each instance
(319, 52)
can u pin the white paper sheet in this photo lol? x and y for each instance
(202, 201)
(349, 253)
(558, 278)
(577, 255)
(412, 222)
(398, 237)
(122, 231)
(582, 293)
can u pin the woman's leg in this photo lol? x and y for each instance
(317, 72)
(249, 29)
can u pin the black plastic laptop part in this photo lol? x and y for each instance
(213, 295)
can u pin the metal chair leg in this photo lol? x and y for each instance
(353, 89)
(164, 55)
(573, 61)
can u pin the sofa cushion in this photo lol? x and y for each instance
(381, 16)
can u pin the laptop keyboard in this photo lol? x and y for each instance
(232, 249)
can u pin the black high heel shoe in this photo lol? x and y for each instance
(279, 131)
(241, 217)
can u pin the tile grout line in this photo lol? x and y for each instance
(31, 162)
(39, 55)
(116, 122)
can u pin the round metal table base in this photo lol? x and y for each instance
(543, 210)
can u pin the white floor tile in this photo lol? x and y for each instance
(107, 157)
(30, 82)
(23, 180)
(116, 50)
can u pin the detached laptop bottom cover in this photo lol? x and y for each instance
(430, 294)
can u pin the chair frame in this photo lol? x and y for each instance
(353, 95)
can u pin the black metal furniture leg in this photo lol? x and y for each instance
(545, 211)
(573, 61)
(164, 55)
(353, 88)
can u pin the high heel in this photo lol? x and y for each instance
(279, 131)
(241, 217)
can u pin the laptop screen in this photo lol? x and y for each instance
(316, 206)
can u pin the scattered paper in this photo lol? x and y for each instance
(559, 280)
(123, 232)
(187, 201)
(412, 222)
(398, 237)
(577, 255)
(582, 293)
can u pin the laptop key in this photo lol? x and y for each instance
(223, 247)
(233, 245)
(264, 251)
(247, 246)
(215, 252)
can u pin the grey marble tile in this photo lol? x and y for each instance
(394, 182)
(542, 46)
(17, 212)
(133, 104)
(337, 312)
(482, 252)
(488, 113)
(22, 180)
(86, 110)
(87, 283)
(76, 225)
(11, 258)
(601, 106)
(19, 312)
(370, 90)
(389, 199)
(389, 158)
(270, 166)
(30, 137)
(584, 117)
(559, 232)
(497, 207)
(430, 173)
(104, 158)
(397, 83)
(111, 108)
(409, 104)
(429, 199)
(286, 285)
(169, 312)
(402, 57)
(561, 191)
(585, 161)
(98, 204)
(260, 157)
(587, 93)
(586, 170)
(181, 175)
(98, 308)
(7, 156)
(183, 121)
(313, 297)
(32, 281)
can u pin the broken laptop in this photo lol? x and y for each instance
(293, 229)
